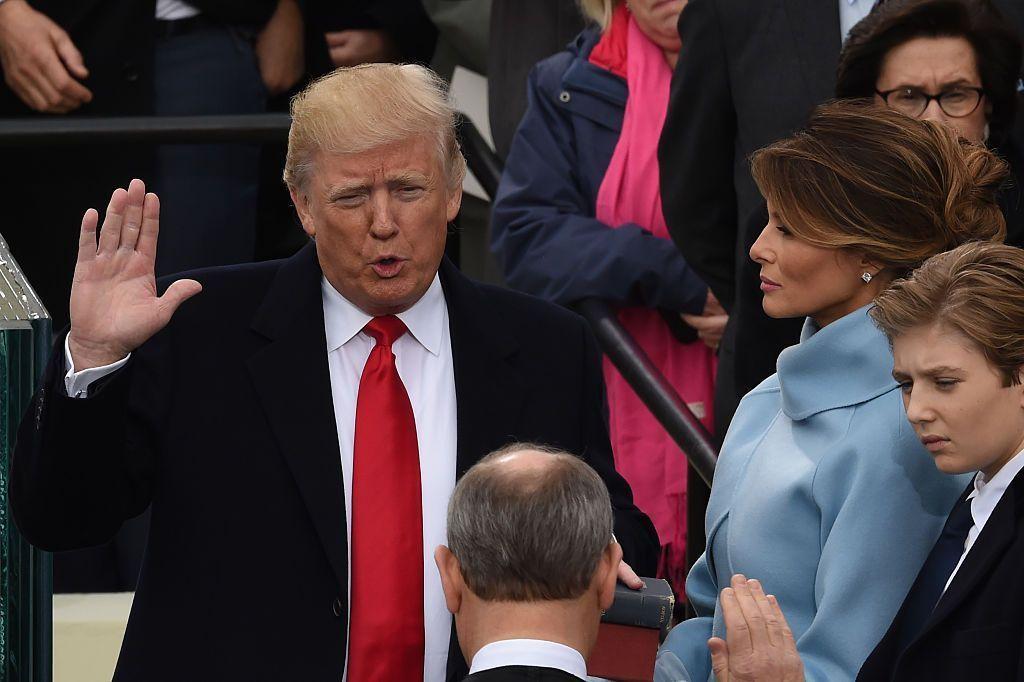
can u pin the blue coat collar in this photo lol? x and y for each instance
(846, 363)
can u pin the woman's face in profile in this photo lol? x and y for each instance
(956, 401)
(799, 279)
(934, 66)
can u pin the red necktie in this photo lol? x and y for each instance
(386, 622)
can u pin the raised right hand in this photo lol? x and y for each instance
(41, 64)
(114, 304)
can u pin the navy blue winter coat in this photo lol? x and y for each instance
(544, 232)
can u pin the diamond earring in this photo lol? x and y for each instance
(867, 276)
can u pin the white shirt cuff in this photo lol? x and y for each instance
(77, 383)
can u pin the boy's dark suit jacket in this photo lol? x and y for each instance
(516, 673)
(977, 628)
(225, 422)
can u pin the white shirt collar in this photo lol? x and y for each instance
(425, 319)
(986, 494)
(530, 652)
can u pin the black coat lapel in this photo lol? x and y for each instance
(489, 392)
(815, 28)
(990, 546)
(293, 383)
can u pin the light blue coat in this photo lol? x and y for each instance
(825, 495)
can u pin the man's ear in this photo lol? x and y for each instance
(451, 577)
(454, 203)
(301, 202)
(1019, 387)
(608, 574)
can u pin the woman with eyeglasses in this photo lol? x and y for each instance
(952, 61)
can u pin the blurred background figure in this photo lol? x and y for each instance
(374, 31)
(953, 61)
(162, 57)
(530, 564)
(522, 33)
(578, 215)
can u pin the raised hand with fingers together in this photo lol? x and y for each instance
(759, 645)
(114, 303)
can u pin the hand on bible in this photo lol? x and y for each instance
(114, 303)
(759, 646)
(628, 576)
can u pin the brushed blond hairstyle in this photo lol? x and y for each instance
(599, 11)
(976, 289)
(352, 110)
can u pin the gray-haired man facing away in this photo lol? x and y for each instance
(530, 564)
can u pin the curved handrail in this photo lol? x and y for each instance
(621, 348)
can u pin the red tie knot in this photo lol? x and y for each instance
(386, 329)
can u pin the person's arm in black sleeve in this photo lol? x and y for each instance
(697, 150)
(548, 241)
(253, 13)
(83, 466)
(633, 530)
(408, 25)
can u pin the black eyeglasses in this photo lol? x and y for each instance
(956, 102)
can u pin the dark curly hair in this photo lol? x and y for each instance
(895, 22)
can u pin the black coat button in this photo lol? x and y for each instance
(129, 72)
(336, 607)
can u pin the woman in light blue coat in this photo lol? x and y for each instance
(823, 492)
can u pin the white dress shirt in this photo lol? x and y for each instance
(170, 10)
(536, 653)
(423, 357)
(424, 363)
(850, 12)
(984, 498)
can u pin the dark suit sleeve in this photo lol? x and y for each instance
(547, 239)
(408, 25)
(81, 467)
(634, 531)
(253, 12)
(696, 152)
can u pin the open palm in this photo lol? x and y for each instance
(114, 302)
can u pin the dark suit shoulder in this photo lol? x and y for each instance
(230, 277)
(521, 308)
(229, 291)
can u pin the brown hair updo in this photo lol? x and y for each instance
(895, 188)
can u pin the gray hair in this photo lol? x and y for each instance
(529, 533)
(355, 109)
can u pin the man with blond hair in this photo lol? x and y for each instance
(298, 426)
